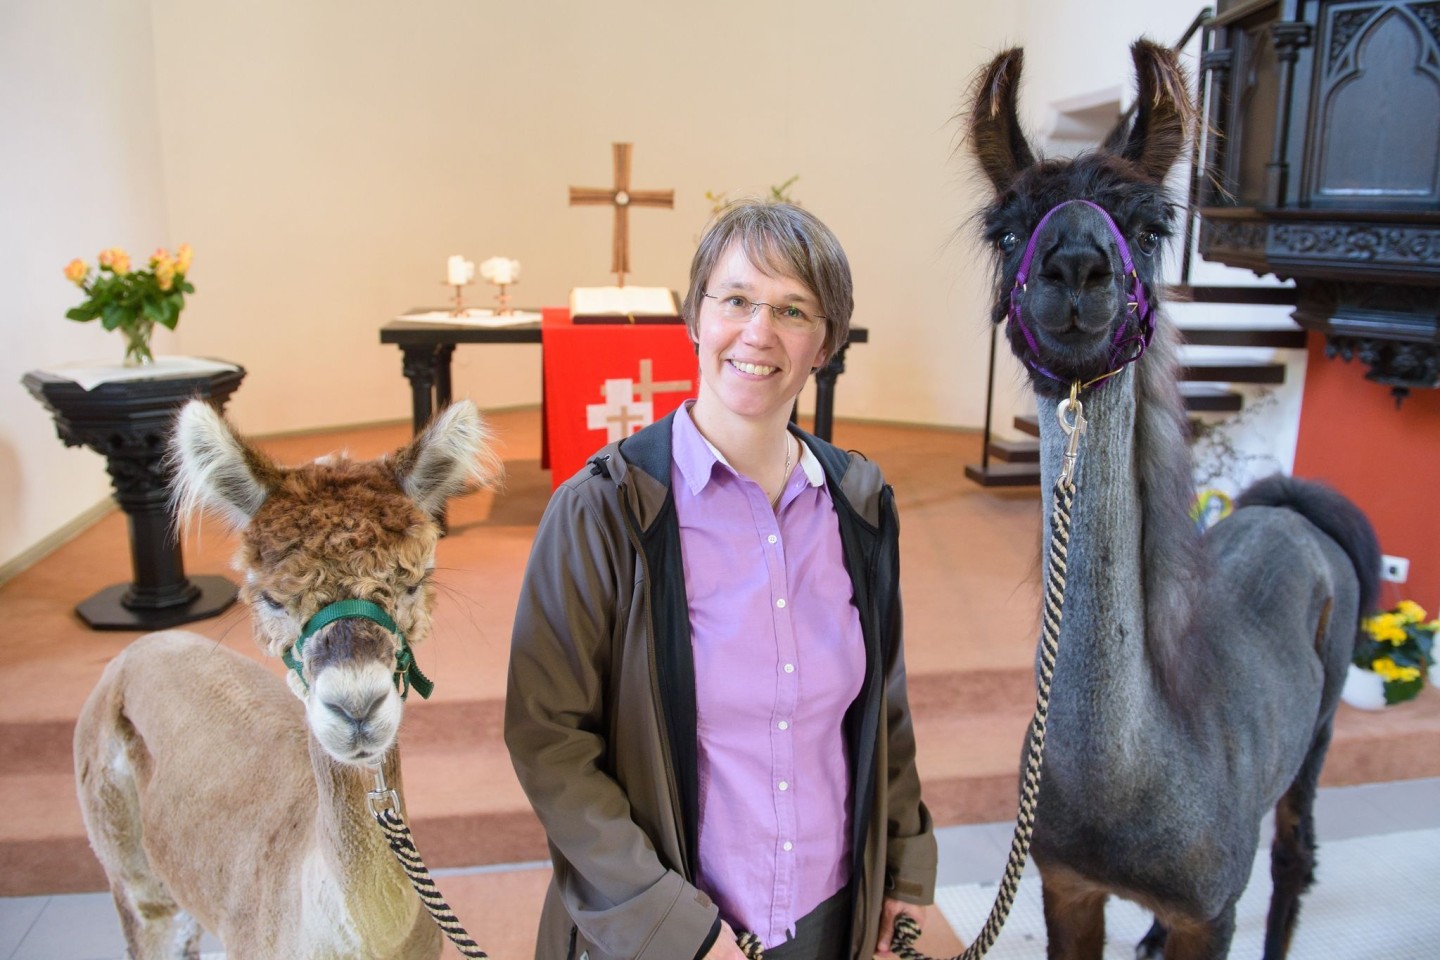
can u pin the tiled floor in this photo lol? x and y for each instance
(1400, 822)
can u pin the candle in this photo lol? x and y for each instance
(459, 270)
(501, 270)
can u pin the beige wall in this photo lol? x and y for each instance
(79, 170)
(325, 157)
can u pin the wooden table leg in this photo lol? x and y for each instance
(825, 393)
(419, 365)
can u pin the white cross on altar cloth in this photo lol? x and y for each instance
(620, 415)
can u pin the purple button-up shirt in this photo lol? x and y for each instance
(779, 657)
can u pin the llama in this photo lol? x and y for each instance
(1197, 679)
(216, 800)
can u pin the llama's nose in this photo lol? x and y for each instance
(1078, 267)
(357, 711)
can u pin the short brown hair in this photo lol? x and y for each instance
(778, 238)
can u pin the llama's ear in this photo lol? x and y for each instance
(995, 135)
(214, 469)
(454, 454)
(1164, 112)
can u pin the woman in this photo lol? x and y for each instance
(707, 702)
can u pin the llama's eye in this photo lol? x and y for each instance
(1148, 241)
(1008, 243)
(413, 589)
(271, 602)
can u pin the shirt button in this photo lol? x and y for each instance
(773, 539)
(788, 845)
(780, 603)
(784, 786)
(789, 668)
(784, 725)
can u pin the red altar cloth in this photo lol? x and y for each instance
(604, 381)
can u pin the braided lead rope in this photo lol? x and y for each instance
(906, 930)
(385, 807)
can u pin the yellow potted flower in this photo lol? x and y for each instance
(132, 301)
(1397, 648)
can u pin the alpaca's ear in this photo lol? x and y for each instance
(1164, 113)
(451, 456)
(214, 469)
(995, 135)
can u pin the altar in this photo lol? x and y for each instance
(427, 347)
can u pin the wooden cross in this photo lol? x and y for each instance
(622, 198)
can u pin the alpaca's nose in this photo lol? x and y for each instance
(355, 710)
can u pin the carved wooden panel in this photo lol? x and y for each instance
(1375, 132)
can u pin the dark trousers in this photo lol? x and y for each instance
(822, 934)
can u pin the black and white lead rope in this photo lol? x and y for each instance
(385, 808)
(906, 931)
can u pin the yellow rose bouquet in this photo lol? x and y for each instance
(132, 301)
(1398, 645)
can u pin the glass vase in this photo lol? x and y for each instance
(137, 342)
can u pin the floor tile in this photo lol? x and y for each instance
(17, 916)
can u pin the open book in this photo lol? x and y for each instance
(624, 305)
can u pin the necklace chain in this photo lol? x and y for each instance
(784, 474)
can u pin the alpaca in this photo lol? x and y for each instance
(1197, 679)
(216, 800)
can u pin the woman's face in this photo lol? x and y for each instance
(755, 367)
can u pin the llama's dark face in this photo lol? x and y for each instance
(1077, 317)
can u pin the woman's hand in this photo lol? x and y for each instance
(889, 911)
(725, 946)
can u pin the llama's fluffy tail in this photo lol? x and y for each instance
(1334, 514)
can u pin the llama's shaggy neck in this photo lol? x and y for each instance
(351, 872)
(1130, 573)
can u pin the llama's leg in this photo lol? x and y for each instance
(1152, 945)
(1201, 941)
(1074, 916)
(154, 926)
(1292, 855)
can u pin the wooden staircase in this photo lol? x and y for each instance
(1205, 386)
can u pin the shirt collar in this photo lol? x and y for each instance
(696, 457)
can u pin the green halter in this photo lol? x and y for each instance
(407, 673)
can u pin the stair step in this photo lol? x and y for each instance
(1015, 451)
(466, 807)
(1212, 400)
(1233, 372)
(1004, 474)
(1231, 337)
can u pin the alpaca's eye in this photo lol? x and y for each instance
(413, 589)
(271, 602)
(1148, 241)
(1008, 243)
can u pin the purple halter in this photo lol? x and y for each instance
(1136, 300)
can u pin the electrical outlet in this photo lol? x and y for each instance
(1394, 569)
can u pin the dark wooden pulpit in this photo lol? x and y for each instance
(1323, 158)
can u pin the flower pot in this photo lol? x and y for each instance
(1364, 689)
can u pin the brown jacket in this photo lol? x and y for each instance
(600, 712)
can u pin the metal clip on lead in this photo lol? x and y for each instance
(1073, 430)
(382, 797)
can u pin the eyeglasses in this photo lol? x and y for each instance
(737, 309)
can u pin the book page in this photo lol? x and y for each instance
(623, 301)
